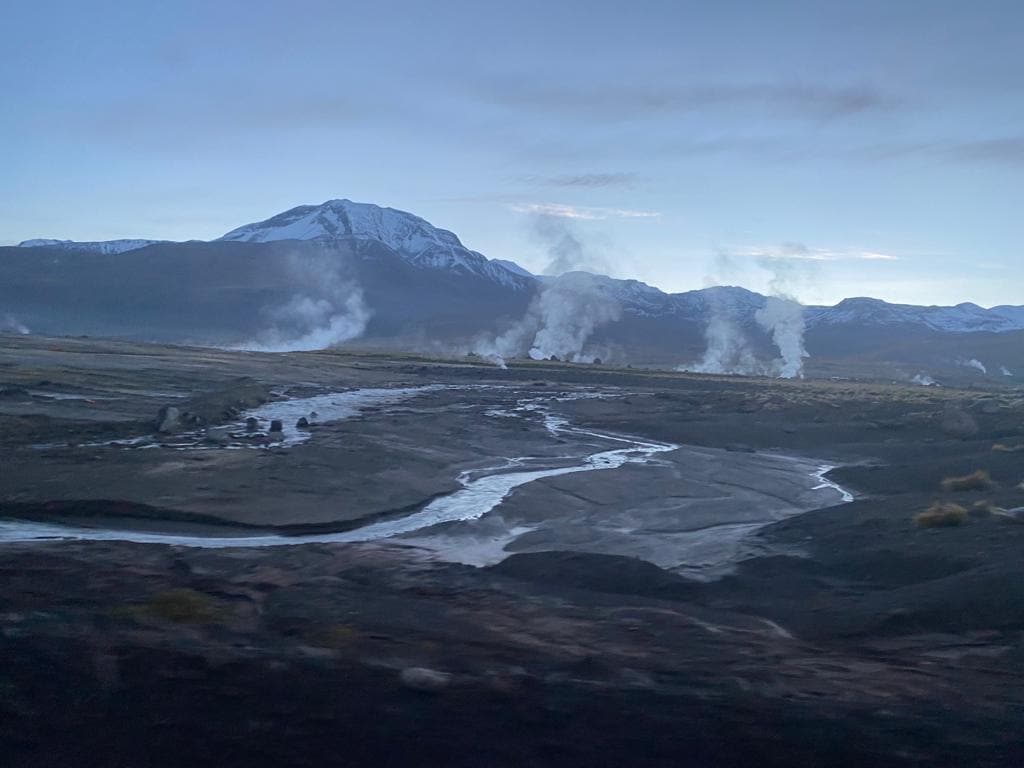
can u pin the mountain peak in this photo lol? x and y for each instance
(343, 218)
(414, 239)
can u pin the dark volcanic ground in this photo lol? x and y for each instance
(845, 636)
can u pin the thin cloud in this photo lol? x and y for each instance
(621, 102)
(1007, 150)
(583, 180)
(585, 213)
(801, 252)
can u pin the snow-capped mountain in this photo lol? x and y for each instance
(100, 246)
(415, 239)
(963, 318)
(419, 287)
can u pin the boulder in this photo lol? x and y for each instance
(302, 423)
(424, 679)
(276, 425)
(168, 419)
(252, 424)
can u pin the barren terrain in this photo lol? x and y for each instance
(545, 565)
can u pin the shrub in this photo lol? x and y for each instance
(941, 515)
(976, 481)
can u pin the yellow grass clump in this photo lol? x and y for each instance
(941, 515)
(184, 606)
(976, 481)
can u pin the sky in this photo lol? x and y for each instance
(817, 149)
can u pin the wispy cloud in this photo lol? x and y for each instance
(1006, 150)
(583, 180)
(801, 252)
(630, 101)
(585, 213)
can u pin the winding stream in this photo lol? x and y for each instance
(482, 490)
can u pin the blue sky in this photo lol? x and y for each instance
(828, 149)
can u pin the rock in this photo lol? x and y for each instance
(313, 417)
(252, 424)
(302, 423)
(956, 422)
(218, 435)
(168, 419)
(425, 680)
(276, 425)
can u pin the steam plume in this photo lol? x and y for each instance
(784, 320)
(570, 306)
(9, 324)
(728, 346)
(783, 316)
(728, 349)
(327, 309)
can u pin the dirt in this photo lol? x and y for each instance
(843, 636)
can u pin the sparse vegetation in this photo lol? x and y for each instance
(978, 480)
(184, 606)
(941, 515)
(337, 636)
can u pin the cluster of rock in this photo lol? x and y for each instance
(173, 420)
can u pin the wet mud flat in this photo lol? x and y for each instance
(597, 617)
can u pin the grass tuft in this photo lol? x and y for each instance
(941, 515)
(978, 480)
(184, 606)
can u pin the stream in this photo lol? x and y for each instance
(481, 538)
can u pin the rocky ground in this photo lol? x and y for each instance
(851, 635)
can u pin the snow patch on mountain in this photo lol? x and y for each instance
(963, 318)
(413, 238)
(101, 246)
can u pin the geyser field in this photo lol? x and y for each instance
(392, 559)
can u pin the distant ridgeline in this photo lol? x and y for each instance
(359, 274)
